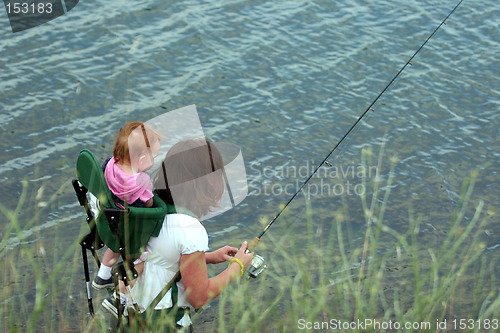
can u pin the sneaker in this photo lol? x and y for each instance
(111, 304)
(100, 284)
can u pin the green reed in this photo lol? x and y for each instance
(393, 276)
(318, 274)
(37, 276)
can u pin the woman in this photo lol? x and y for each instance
(192, 180)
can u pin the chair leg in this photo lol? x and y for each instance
(87, 280)
(119, 327)
(120, 274)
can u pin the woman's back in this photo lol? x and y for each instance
(180, 234)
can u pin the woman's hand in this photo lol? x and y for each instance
(245, 258)
(221, 255)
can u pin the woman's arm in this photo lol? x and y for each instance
(199, 288)
(223, 254)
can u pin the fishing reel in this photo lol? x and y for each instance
(256, 267)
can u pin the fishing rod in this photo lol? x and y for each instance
(256, 240)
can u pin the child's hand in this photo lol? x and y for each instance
(149, 203)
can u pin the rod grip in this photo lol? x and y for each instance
(253, 244)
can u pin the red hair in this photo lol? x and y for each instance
(121, 149)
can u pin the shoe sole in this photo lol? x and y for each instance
(102, 286)
(110, 307)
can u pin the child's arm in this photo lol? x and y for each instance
(149, 203)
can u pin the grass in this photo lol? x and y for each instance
(389, 280)
(319, 278)
(37, 275)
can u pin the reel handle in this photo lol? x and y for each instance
(252, 245)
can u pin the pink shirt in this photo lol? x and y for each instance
(128, 187)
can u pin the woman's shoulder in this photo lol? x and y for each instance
(183, 221)
(182, 218)
(187, 232)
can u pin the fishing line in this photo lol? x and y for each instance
(255, 241)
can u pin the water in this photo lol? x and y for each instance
(284, 80)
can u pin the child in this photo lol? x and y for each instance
(134, 151)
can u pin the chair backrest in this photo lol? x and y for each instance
(135, 226)
(90, 175)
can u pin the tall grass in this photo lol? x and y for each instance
(318, 279)
(37, 277)
(390, 280)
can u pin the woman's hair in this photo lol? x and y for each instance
(191, 176)
(134, 136)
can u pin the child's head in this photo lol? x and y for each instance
(136, 146)
(192, 176)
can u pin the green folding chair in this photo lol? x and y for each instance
(126, 231)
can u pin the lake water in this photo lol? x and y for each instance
(284, 80)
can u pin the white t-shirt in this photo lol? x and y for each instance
(180, 234)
